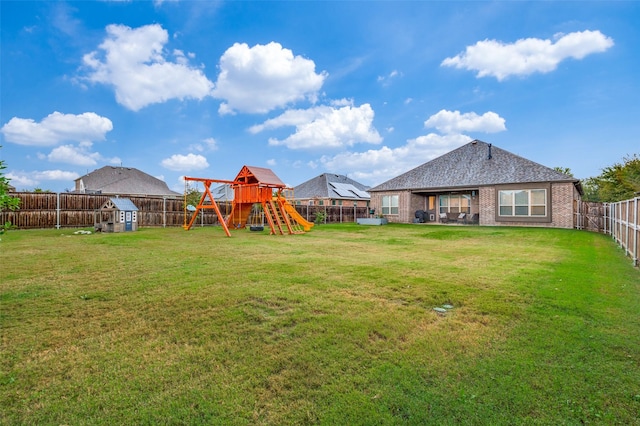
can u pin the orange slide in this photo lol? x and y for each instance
(293, 213)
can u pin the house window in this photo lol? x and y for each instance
(390, 204)
(455, 203)
(522, 203)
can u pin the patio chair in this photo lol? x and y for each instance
(475, 219)
(443, 218)
(461, 217)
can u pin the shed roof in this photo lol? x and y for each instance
(122, 180)
(471, 166)
(333, 186)
(122, 204)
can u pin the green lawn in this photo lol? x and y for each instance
(336, 326)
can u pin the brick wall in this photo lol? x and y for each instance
(562, 196)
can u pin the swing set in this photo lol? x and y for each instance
(252, 185)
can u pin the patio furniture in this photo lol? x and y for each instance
(461, 217)
(475, 219)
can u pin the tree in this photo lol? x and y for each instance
(616, 183)
(193, 196)
(564, 170)
(7, 202)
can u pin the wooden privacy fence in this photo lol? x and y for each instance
(67, 210)
(621, 222)
(589, 216)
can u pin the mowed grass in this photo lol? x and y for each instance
(336, 326)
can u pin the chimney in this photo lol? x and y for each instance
(489, 157)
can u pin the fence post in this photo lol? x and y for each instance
(636, 230)
(57, 210)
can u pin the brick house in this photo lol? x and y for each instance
(481, 184)
(330, 189)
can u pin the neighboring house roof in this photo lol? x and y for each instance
(331, 186)
(222, 192)
(472, 165)
(123, 204)
(121, 180)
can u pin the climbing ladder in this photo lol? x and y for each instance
(279, 220)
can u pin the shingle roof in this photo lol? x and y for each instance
(223, 192)
(332, 186)
(122, 180)
(263, 175)
(470, 166)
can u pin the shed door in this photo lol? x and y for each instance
(128, 221)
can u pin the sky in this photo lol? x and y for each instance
(366, 89)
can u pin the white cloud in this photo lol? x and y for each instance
(25, 180)
(57, 128)
(21, 180)
(264, 77)
(385, 80)
(452, 122)
(527, 56)
(378, 165)
(208, 144)
(375, 166)
(187, 162)
(211, 144)
(71, 154)
(324, 127)
(134, 63)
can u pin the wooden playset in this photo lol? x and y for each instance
(252, 185)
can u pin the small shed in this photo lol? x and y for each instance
(116, 215)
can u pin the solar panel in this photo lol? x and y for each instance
(348, 190)
(361, 193)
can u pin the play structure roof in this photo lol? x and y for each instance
(262, 175)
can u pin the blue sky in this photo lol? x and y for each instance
(365, 89)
